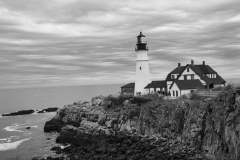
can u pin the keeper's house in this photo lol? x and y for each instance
(183, 80)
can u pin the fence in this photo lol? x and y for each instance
(209, 93)
(236, 84)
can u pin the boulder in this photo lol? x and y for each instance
(102, 119)
(53, 125)
(97, 101)
(110, 123)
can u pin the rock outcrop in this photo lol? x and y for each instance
(30, 111)
(22, 112)
(52, 109)
(181, 129)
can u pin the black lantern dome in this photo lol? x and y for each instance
(141, 43)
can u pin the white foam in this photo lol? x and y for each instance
(50, 113)
(35, 112)
(3, 139)
(13, 128)
(9, 139)
(11, 146)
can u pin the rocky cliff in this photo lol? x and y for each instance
(178, 129)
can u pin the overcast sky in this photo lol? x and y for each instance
(67, 42)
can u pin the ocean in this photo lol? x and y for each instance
(19, 143)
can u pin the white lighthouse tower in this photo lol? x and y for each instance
(142, 68)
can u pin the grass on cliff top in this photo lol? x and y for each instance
(138, 99)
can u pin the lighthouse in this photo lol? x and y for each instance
(142, 67)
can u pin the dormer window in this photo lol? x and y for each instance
(187, 69)
(173, 77)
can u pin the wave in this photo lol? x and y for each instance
(11, 146)
(13, 128)
(50, 113)
(16, 128)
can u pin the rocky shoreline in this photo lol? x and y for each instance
(30, 111)
(136, 128)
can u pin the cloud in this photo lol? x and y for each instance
(93, 42)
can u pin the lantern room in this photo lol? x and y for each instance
(141, 43)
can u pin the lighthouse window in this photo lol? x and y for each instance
(140, 68)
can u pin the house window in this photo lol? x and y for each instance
(140, 68)
(185, 77)
(192, 76)
(192, 91)
(173, 92)
(187, 69)
(173, 77)
(176, 93)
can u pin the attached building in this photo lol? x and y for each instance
(181, 87)
(155, 86)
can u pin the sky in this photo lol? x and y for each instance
(84, 42)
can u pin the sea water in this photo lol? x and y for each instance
(19, 143)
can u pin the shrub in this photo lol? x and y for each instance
(228, 87)
(119, 99)
(152, 96)
(140, 99)
(184, 96)
(194, 96)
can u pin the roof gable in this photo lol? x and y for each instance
(177, 70)
(188, 84)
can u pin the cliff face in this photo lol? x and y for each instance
(213, 126)
(177, 119)
(222, 132)
(210, 126)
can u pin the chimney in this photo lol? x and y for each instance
(192, 62)
(203, 62)
(179, 65)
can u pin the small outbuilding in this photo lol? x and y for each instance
(128, 88)
(181, 87)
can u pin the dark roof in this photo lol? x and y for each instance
(157, 84)
(129, 85)
(175, 71)
(188, 84)
(206, 69)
